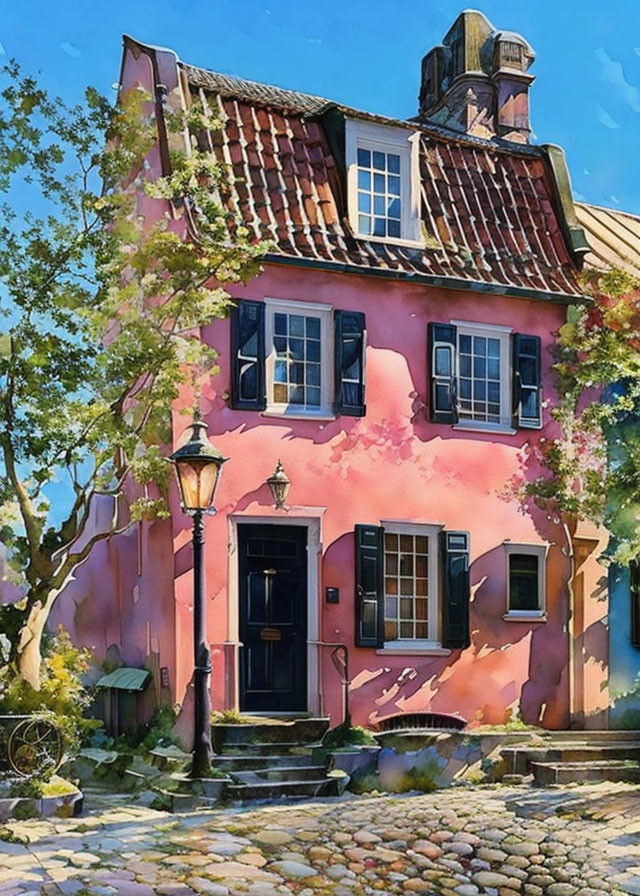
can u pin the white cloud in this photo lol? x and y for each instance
(605, 119)
(613, 74)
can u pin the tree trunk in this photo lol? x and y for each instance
(29, 647)
(29, 656)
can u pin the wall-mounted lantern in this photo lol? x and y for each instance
(279, 484)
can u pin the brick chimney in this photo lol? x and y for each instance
(477, 80)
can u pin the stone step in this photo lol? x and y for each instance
(519, 759)
(257, 748)
(545, 773)
(270, 730)
(231, 763)
(291, 773)
(277, 790)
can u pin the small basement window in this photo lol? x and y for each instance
(525, 581)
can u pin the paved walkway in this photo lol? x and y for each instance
(582, 841)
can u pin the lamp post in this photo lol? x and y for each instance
(198, 464)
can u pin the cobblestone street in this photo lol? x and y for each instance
(581, 841)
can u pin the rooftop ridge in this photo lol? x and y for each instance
(313, 104)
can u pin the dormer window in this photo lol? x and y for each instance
(383, 182)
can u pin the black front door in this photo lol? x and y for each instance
(273, 617)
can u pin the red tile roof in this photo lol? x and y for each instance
(490, 216)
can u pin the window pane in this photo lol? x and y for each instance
(465, 344)
(313, 374)
(422, 544)
(493, 392)
(523, 582)
(393, 163)
(493, 368)
(406, 608)
(422, 587)
(394, 208)
(280, 372)
(313, 327)
(422, 630)
(422, 610)
(296, 349)
(313, 396)
(406, 586)
(390, 630)
(296, 325)
(422, 566)
(313, 349)
(379, 227)
(280, 393)
(529, 403)
(379, 161)
(493, 348)
(364, 158)
(378, 205)
(406, 542)
(406, 564)
(465, 389)
(378, 183)
(479, 367)
(394, 228)
(391, 586)
(406, 629)
(364, 203)
(391, 607)
(296, 394)
(479, 345)
(465, 365)
(364, 224)
(479, 390)
(394, 185)
(279, 323)
(391, 564)
(391, 541)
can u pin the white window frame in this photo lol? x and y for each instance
(325, 315)
(493, 331)
(402, 142)
(533, 550)
(433, 644)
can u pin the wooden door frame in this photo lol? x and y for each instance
(309, 518)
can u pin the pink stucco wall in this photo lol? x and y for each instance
(393, 464)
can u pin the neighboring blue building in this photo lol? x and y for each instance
(615, 240)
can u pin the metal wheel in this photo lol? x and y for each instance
(34, 745)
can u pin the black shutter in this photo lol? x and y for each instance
(441, 364)
(634, 595)
(350, 344)
(247, 356)
(369, 586)
(454, 552)
(527, 411)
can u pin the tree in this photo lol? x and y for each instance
(101, 305)
(591, 468)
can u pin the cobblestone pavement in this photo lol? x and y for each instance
(503, 841)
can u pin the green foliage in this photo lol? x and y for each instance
(32, 788)
(108, 273)
(591, 468)
(62, 697)
(347, 735)
(229, 717)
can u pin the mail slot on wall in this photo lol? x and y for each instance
(332, 595)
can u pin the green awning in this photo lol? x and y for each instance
(125, 679)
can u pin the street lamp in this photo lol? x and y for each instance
(198, 464)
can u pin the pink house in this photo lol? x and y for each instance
(393, 356)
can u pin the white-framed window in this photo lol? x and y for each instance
(383, 182)
(483, 375)
(411, 604)
(299, 358)
(526, 581)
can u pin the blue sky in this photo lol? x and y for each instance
(586, 96)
